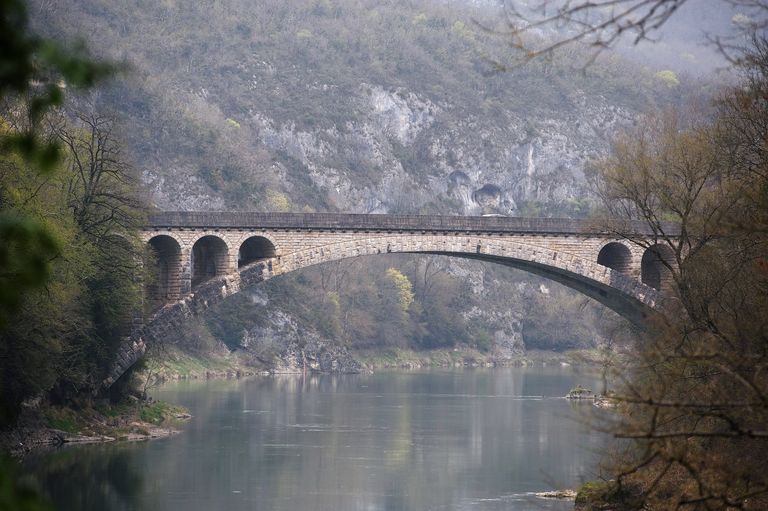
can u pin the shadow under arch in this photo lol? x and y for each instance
(615, 255)
(655, 266)
(210, 258)
(255, 248)
(625, 295)
(166, 257)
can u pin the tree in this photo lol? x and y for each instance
(403, 288)
(102, 200)
(694, 405)
(62, 338)
(33, 75)
(102, 188)
(601, 24)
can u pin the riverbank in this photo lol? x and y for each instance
(468, 357)
(43, 425)
(175, 364)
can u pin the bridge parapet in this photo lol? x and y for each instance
(366, 222)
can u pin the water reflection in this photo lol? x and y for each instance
(390, 441)
(98, 477)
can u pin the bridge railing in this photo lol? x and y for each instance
(333, 221)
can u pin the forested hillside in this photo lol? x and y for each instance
(363, 106)
(355, 106)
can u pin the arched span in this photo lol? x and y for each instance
(655, 266)
(625, 295)
(612, 288)
(210, 258)
(165, 286)
(255, 248)
(615, 256)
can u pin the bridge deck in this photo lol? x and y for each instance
(337, 221)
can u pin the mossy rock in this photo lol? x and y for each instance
(606, 496)
(580, 392)
(160, 412)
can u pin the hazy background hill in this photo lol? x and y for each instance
(364, 106)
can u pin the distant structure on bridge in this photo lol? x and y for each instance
(205, 257)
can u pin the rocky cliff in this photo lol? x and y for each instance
(366, 107)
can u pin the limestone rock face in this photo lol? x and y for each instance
(400, 152)
(493, 310)
(399, 113)
(508, 344)
(289, 348)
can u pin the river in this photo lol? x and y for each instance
(429, 440)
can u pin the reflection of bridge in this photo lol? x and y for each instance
(204, 257)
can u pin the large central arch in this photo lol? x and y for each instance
(611, 287)
(614, 288)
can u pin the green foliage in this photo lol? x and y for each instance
(14, 495)
(403, 287)
(63, 419)
(57, 303)
(278, 202)
(384, 302)
(64, 332)
(330, 316)
(484, 341)
(40, 69)
(668, 77)
(26, 249)
(159, 412)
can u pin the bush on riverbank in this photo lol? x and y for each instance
(606, 496)
(114, 420)
(47, 425)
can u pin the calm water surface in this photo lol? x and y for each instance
(438, 440)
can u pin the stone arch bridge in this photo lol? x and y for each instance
(203, 258)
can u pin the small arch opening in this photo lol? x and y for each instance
(209, 259)
(654, 267)
(255, 249)
(165, 285)
(616, 256)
